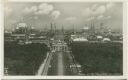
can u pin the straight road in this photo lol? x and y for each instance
(60, 64)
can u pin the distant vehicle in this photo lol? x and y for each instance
(52, 39)
(106, 40)
(21, 42)
(49, 66)
(80, 71)
(28, 42)
(80, 39)
(53, 50)
(99, 38)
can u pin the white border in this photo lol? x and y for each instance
(65, 77)
(125, 43)
(125, 38)
(1, 37)
(67, 0)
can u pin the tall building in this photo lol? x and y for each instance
(21, 28)
(92, 28)
(62, 29)
(21, 32)
(51, 28)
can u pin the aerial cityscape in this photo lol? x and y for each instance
(64, 79)
(64, 38)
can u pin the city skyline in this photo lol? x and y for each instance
(66, 14)
(63, 39)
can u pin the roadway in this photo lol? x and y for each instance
(58, 63)
(61, 64)
(60, 70)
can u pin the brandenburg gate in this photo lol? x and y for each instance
(60, 46)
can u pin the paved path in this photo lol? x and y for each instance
(60, 64)
(43, 69)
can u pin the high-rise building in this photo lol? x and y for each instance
(21, 32)
(21, 28)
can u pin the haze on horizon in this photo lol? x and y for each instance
(67, 14)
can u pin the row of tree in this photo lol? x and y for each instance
(24, 59)
(99, 58)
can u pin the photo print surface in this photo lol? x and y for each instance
(65, 38)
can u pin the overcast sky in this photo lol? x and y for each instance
(64, 13)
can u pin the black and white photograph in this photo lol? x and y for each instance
(64, 79)
(63, 39)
